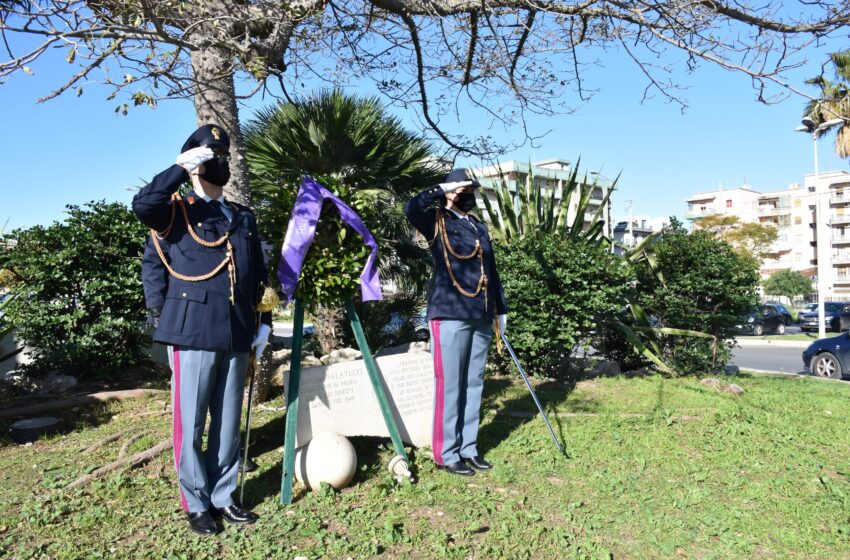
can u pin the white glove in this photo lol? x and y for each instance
(451, 187)
(503, 323)
(191, 159)
(262, 339)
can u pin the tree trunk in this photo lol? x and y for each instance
(215, 102)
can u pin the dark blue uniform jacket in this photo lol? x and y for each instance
(199, 314)
(444, 300)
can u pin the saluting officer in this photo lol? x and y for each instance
(203, 271)
(464, 296)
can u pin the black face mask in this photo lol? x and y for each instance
(465, 201)
(216, 171)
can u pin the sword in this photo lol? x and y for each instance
(531, 390)
(252, 370)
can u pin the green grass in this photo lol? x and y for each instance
(656, 468)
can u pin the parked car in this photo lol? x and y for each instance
(762, 319)
(836, 317)
(828, 357)
(808, 308)
(783, 312)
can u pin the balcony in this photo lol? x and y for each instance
(774, 210)
(840, 239)
(836, 198)
(841, 259)
(842, 278)
(841, 219)
(699, 214)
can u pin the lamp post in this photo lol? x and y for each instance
(821, 232)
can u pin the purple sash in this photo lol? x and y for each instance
(302, 229)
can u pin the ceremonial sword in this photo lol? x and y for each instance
(531, 390)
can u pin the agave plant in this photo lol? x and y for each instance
(540, 211)
(645, 337)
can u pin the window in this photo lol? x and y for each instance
(798, 220)
(811, 189)
(798, 202)
(729, 203)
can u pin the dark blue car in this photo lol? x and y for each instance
(828, 357)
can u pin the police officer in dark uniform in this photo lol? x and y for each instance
(464, 297)
(203, 273)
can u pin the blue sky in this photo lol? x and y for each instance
(72, 150)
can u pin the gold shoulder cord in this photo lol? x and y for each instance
(229, 260)
(447, 249)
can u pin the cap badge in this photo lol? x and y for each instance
(216, 133)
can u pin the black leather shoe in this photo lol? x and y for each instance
(478, 463)
(202, 523)
(235, 514)
(459, 468)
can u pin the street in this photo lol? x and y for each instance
(770, 358)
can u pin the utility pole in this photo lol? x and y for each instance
(631, 228)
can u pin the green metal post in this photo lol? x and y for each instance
(375, 378)
(292, 406)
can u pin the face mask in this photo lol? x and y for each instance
(465, 201)
(216, 171)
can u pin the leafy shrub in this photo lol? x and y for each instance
(559, 292)
(697, 282)
(79, 300)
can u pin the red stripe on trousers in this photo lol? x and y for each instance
(177, 424)
(437, 437)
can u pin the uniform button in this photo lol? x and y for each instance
(199, 224)
(183, 294)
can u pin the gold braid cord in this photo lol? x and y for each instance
(229, 259)
(448, 249)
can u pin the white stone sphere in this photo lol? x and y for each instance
(328, 457)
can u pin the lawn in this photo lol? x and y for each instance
(656, 468)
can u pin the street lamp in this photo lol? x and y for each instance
(821, 233)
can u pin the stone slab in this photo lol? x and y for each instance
(340, 398)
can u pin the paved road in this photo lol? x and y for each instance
(788, 360)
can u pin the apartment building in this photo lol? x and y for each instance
(546, 175)
(793, 211)
(631, 230)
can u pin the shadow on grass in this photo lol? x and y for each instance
(550, 393)
(268, 438)
(81, 411)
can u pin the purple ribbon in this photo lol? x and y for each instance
(302, 229)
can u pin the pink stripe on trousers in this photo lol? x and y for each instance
(177, 423)
(437, 437)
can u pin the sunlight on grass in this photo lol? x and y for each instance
(656, 468)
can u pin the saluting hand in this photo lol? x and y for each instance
(190, 160)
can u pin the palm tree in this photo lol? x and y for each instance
(834, 102)
(354, 147)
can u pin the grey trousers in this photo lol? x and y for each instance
(206, 381)
(459, 349)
